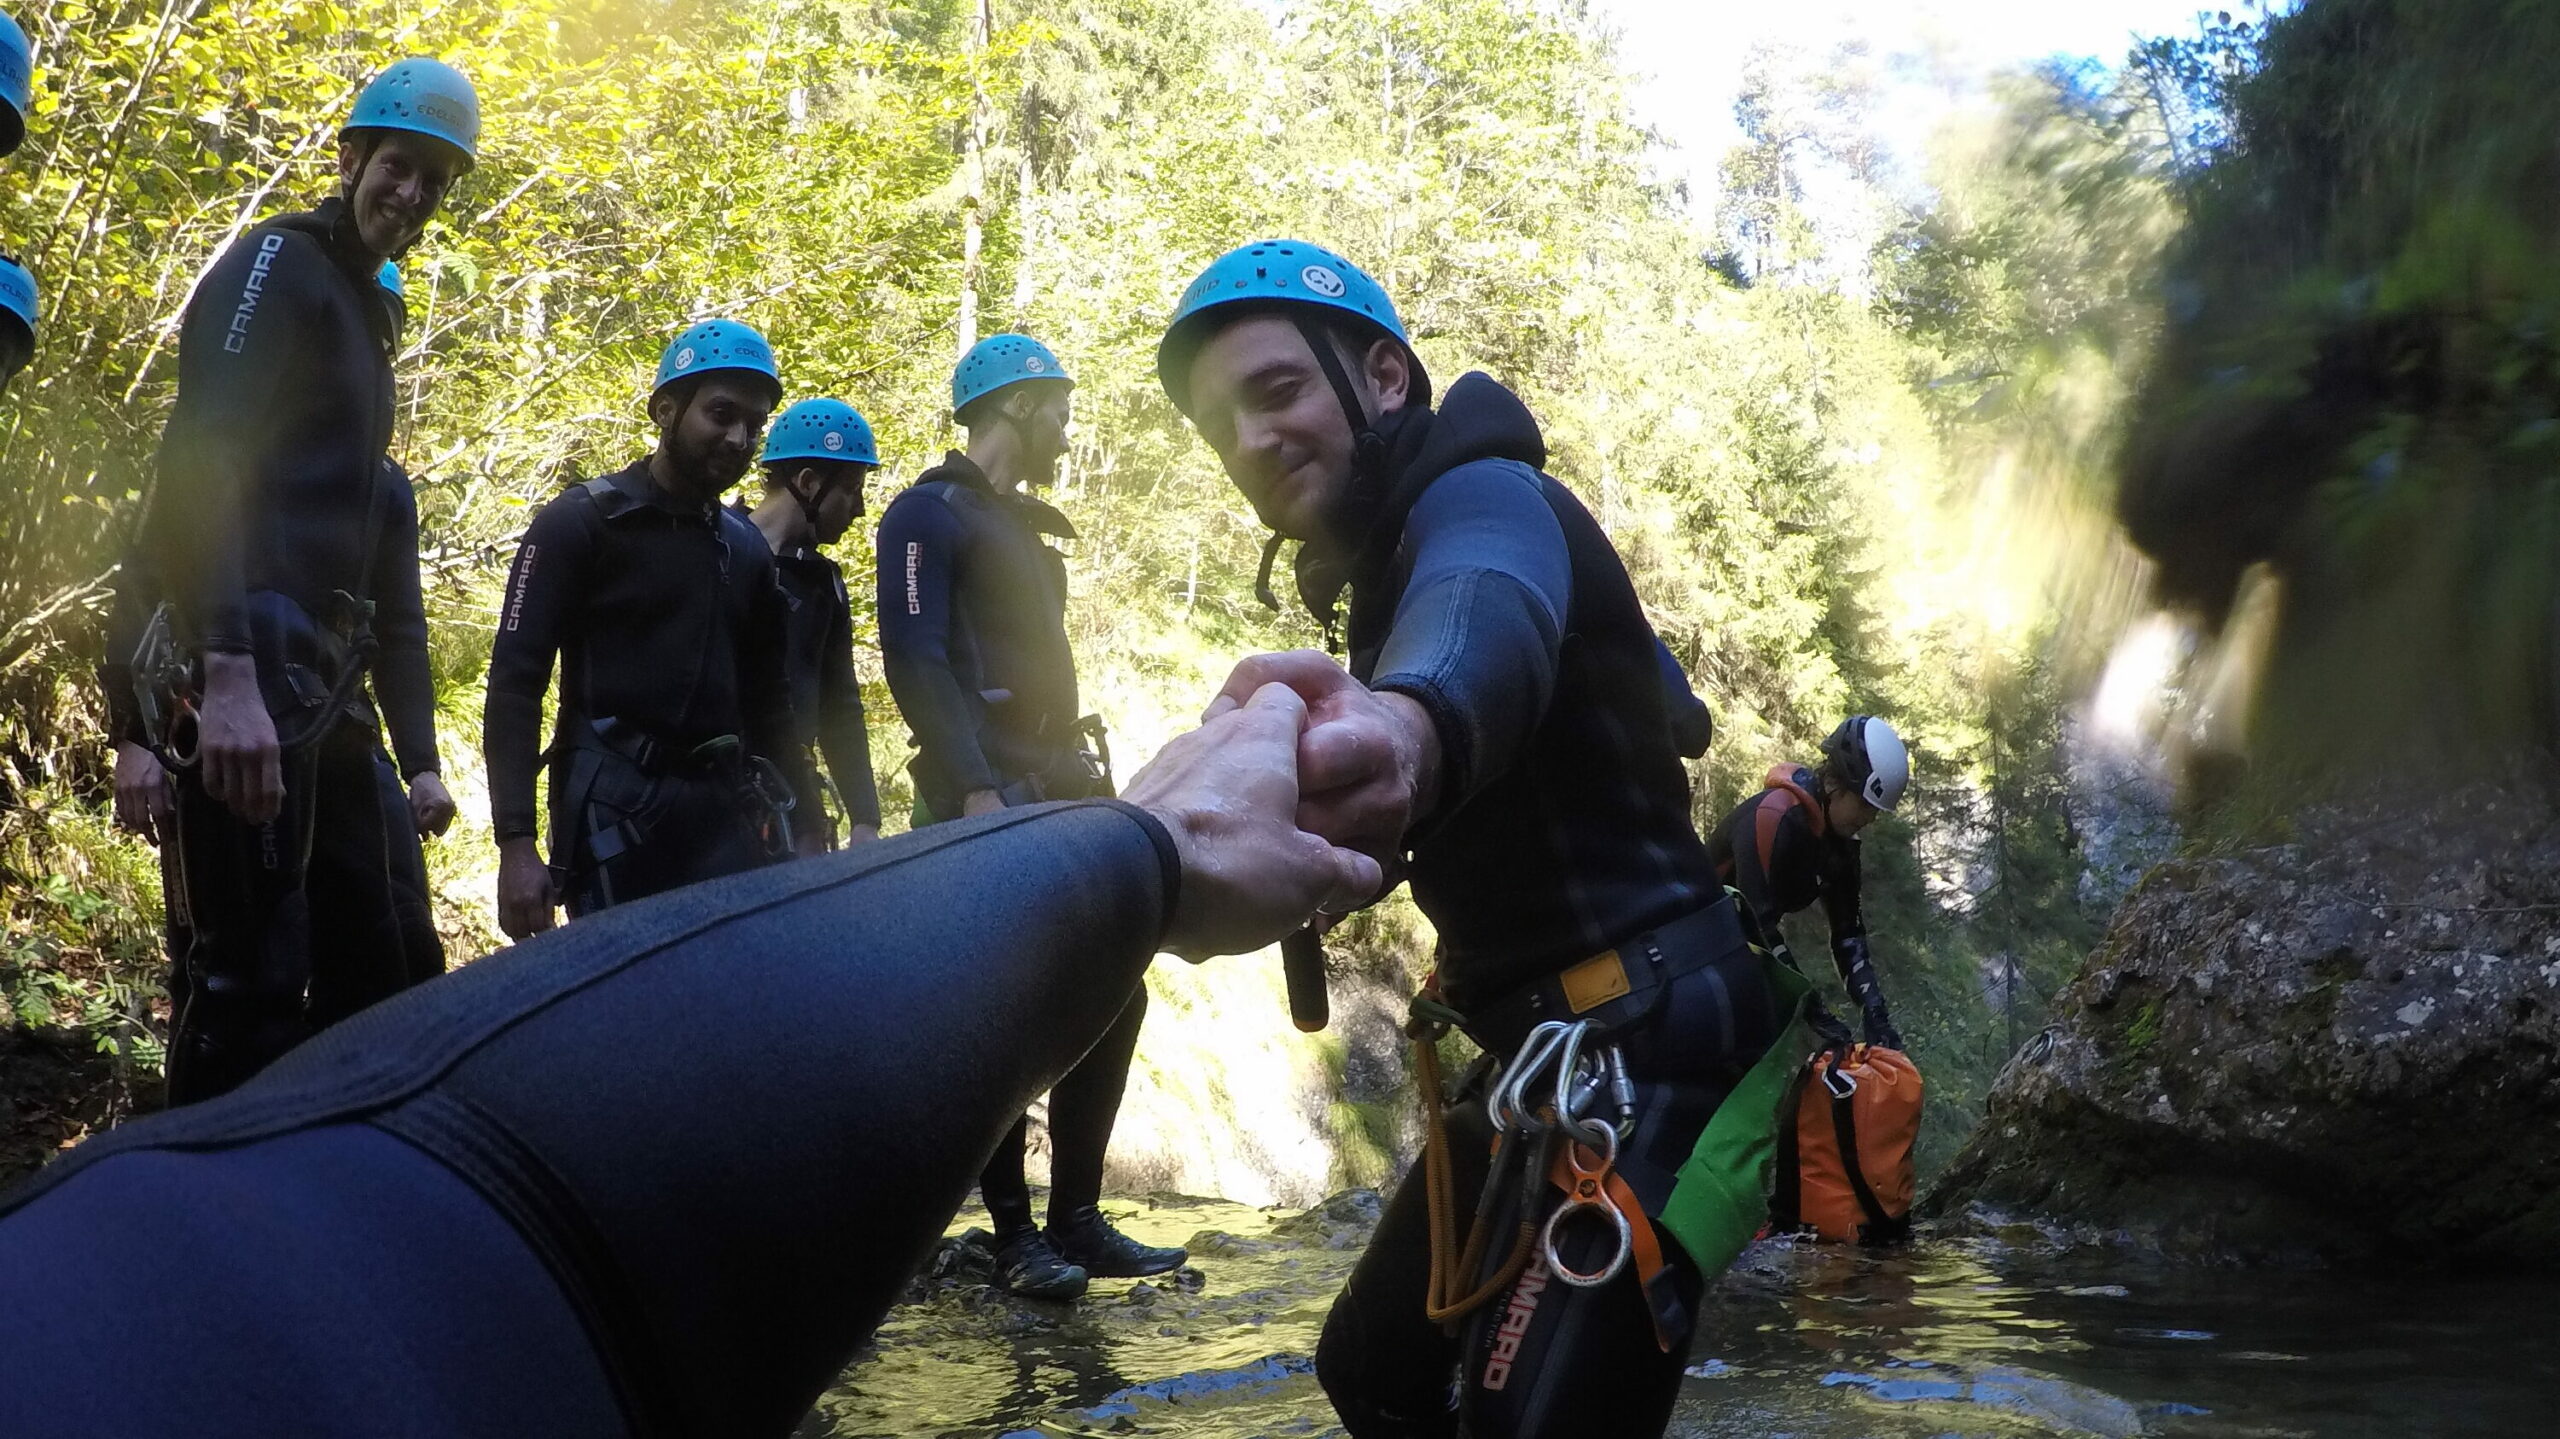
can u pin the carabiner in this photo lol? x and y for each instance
(1506, 1105)
(1589, 1191)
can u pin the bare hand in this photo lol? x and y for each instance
(860, 834)
(980, 801)
(431, 809)
(242, 765)
(1228, 792)
(143, 798)
(525, 895)
(1369, 763)
(808, 843)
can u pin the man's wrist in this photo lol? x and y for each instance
(1419, 753)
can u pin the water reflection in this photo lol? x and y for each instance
(1952, 1337)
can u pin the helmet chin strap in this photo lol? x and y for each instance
(1368, 447)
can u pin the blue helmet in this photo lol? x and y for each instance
(714, 346)
(18, 300)
(1001, 360)
(424, 97)
(17, 83)
(1268, 275)
(821, 430)
(389, 278)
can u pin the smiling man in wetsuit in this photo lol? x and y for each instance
(286, 548)
(1506, 737)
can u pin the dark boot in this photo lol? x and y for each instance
(1087, 1239)
(1027, 1265)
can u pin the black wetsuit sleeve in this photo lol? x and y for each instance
(729, 1215)
(1692, 727)
(533, 619)
(1841, 905)
(1481, 620)
(920, 537)
(126, 620)
(234, 348)
(765, 684)
(403, 681)
(842, 734)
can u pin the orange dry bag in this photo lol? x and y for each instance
(1844, 1167)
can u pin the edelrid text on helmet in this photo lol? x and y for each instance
(820, 430)
(423, 97)
(1272, 275)
(1001, 360)
(17, 84)
(1871, 757)
(716, 347)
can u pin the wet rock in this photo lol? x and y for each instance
(1344, 1221)
(2342, 1046)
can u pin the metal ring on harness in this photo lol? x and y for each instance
(1588, 1193)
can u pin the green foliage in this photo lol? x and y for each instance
(1842, 486)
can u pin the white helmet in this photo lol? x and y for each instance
(1871, 757)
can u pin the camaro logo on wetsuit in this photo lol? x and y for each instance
(1323, 281)
(915, 562)
(524, 582)
(238, 339)
(1515, 1322)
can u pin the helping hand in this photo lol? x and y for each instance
(1368, 764)
(1228, 791)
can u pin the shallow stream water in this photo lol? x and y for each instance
(1947, 1338)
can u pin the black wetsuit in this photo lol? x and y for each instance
(273, 506)
(668, 625)
(1484, 591)
(973, 631)
(826, 693)
(656, 1173)
(1777, 848)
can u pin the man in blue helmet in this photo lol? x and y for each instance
(273, 534)
(1505, 736)
(674, 759)
(973, 630)
(816, 458)
(17, 84)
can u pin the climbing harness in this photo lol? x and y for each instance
(1539, 1141)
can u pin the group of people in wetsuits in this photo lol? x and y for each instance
(664, 1169)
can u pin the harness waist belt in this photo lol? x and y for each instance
(1617, 988)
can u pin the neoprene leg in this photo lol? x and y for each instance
(250, 962)
(1549, 1360)
(1083, 1108)
(1387, 1368)
(357, 956)
(1002, 1185)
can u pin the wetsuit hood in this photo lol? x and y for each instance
(1479, 419)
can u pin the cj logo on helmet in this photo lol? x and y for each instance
(684, 358)
(1033, 364)
(833, 441)
(238, 340)
(1322, 281)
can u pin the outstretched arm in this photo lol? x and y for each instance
(713, 1132)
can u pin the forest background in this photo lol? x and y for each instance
(1851, 435)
